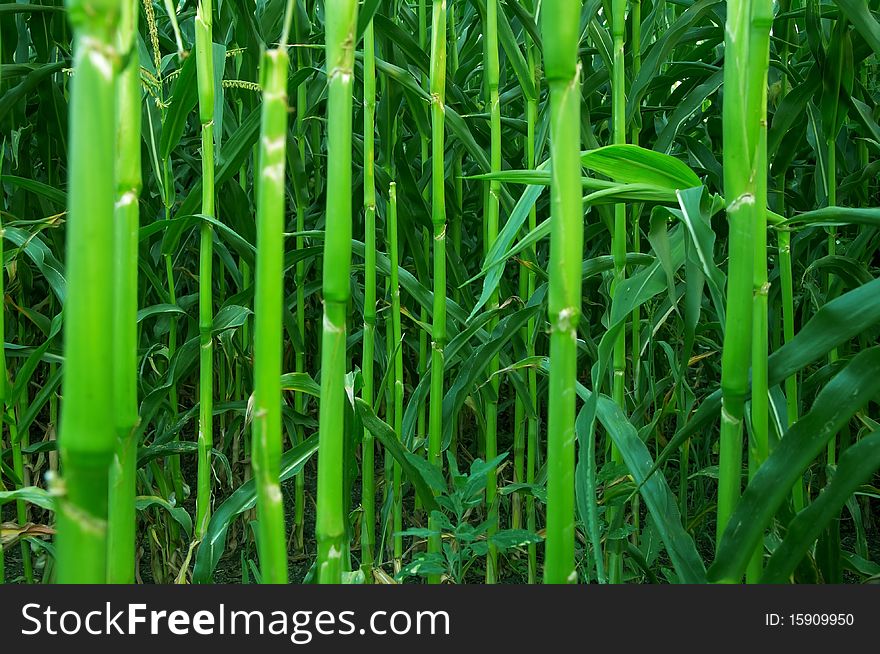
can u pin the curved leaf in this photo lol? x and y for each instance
(391, 442)
(857, 464)
(180, 515)
(244, 498)
(631, 164)
(835, 322)
(31, 494)
(837, 402)
(659, 498)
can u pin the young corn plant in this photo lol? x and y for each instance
(368, 485)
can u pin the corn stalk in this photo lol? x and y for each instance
(560, 20)
(122, 535)
(205, 78)
(87, 433)
(330, 526)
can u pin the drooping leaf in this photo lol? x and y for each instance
(846, 393)
(631, 164)
(391, 442)
(658, 497)
(33, 495)
(834, 323)
(857, 464)
(178, 513)
(245, 497)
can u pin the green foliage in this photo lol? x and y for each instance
(464, 541)
(558, 229)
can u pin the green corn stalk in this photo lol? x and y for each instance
(21, 512)
(19, 439)
(636, 49)
(268, 310)
(396, 330)
(121, 534)
(174, 461)
(205, 78)
(423, 361)
(458, 184)
(745, 75)
(759, 46)
(244, 336)
(426, 238)
(519, 418)
(396, 470)
(392, 471)
(618, 247)
(455, 222)
(87, 432)
(244, 341)
(300, 355)
(532, 428)
(492, 74)
(560, 20)
(438, 220)
(397, 357)
(785, 261)
(368, 486)
(838, 33)
(330, 526)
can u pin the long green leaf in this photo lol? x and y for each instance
(857, 464)
(631, 164)
(245, 497)
(846, 393)
(391, 442)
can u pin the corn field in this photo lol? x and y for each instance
(442, 291)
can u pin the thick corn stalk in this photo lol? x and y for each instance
(560, 20)
(744, 126)
(87, 431)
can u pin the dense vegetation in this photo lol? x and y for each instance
(459, 291)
